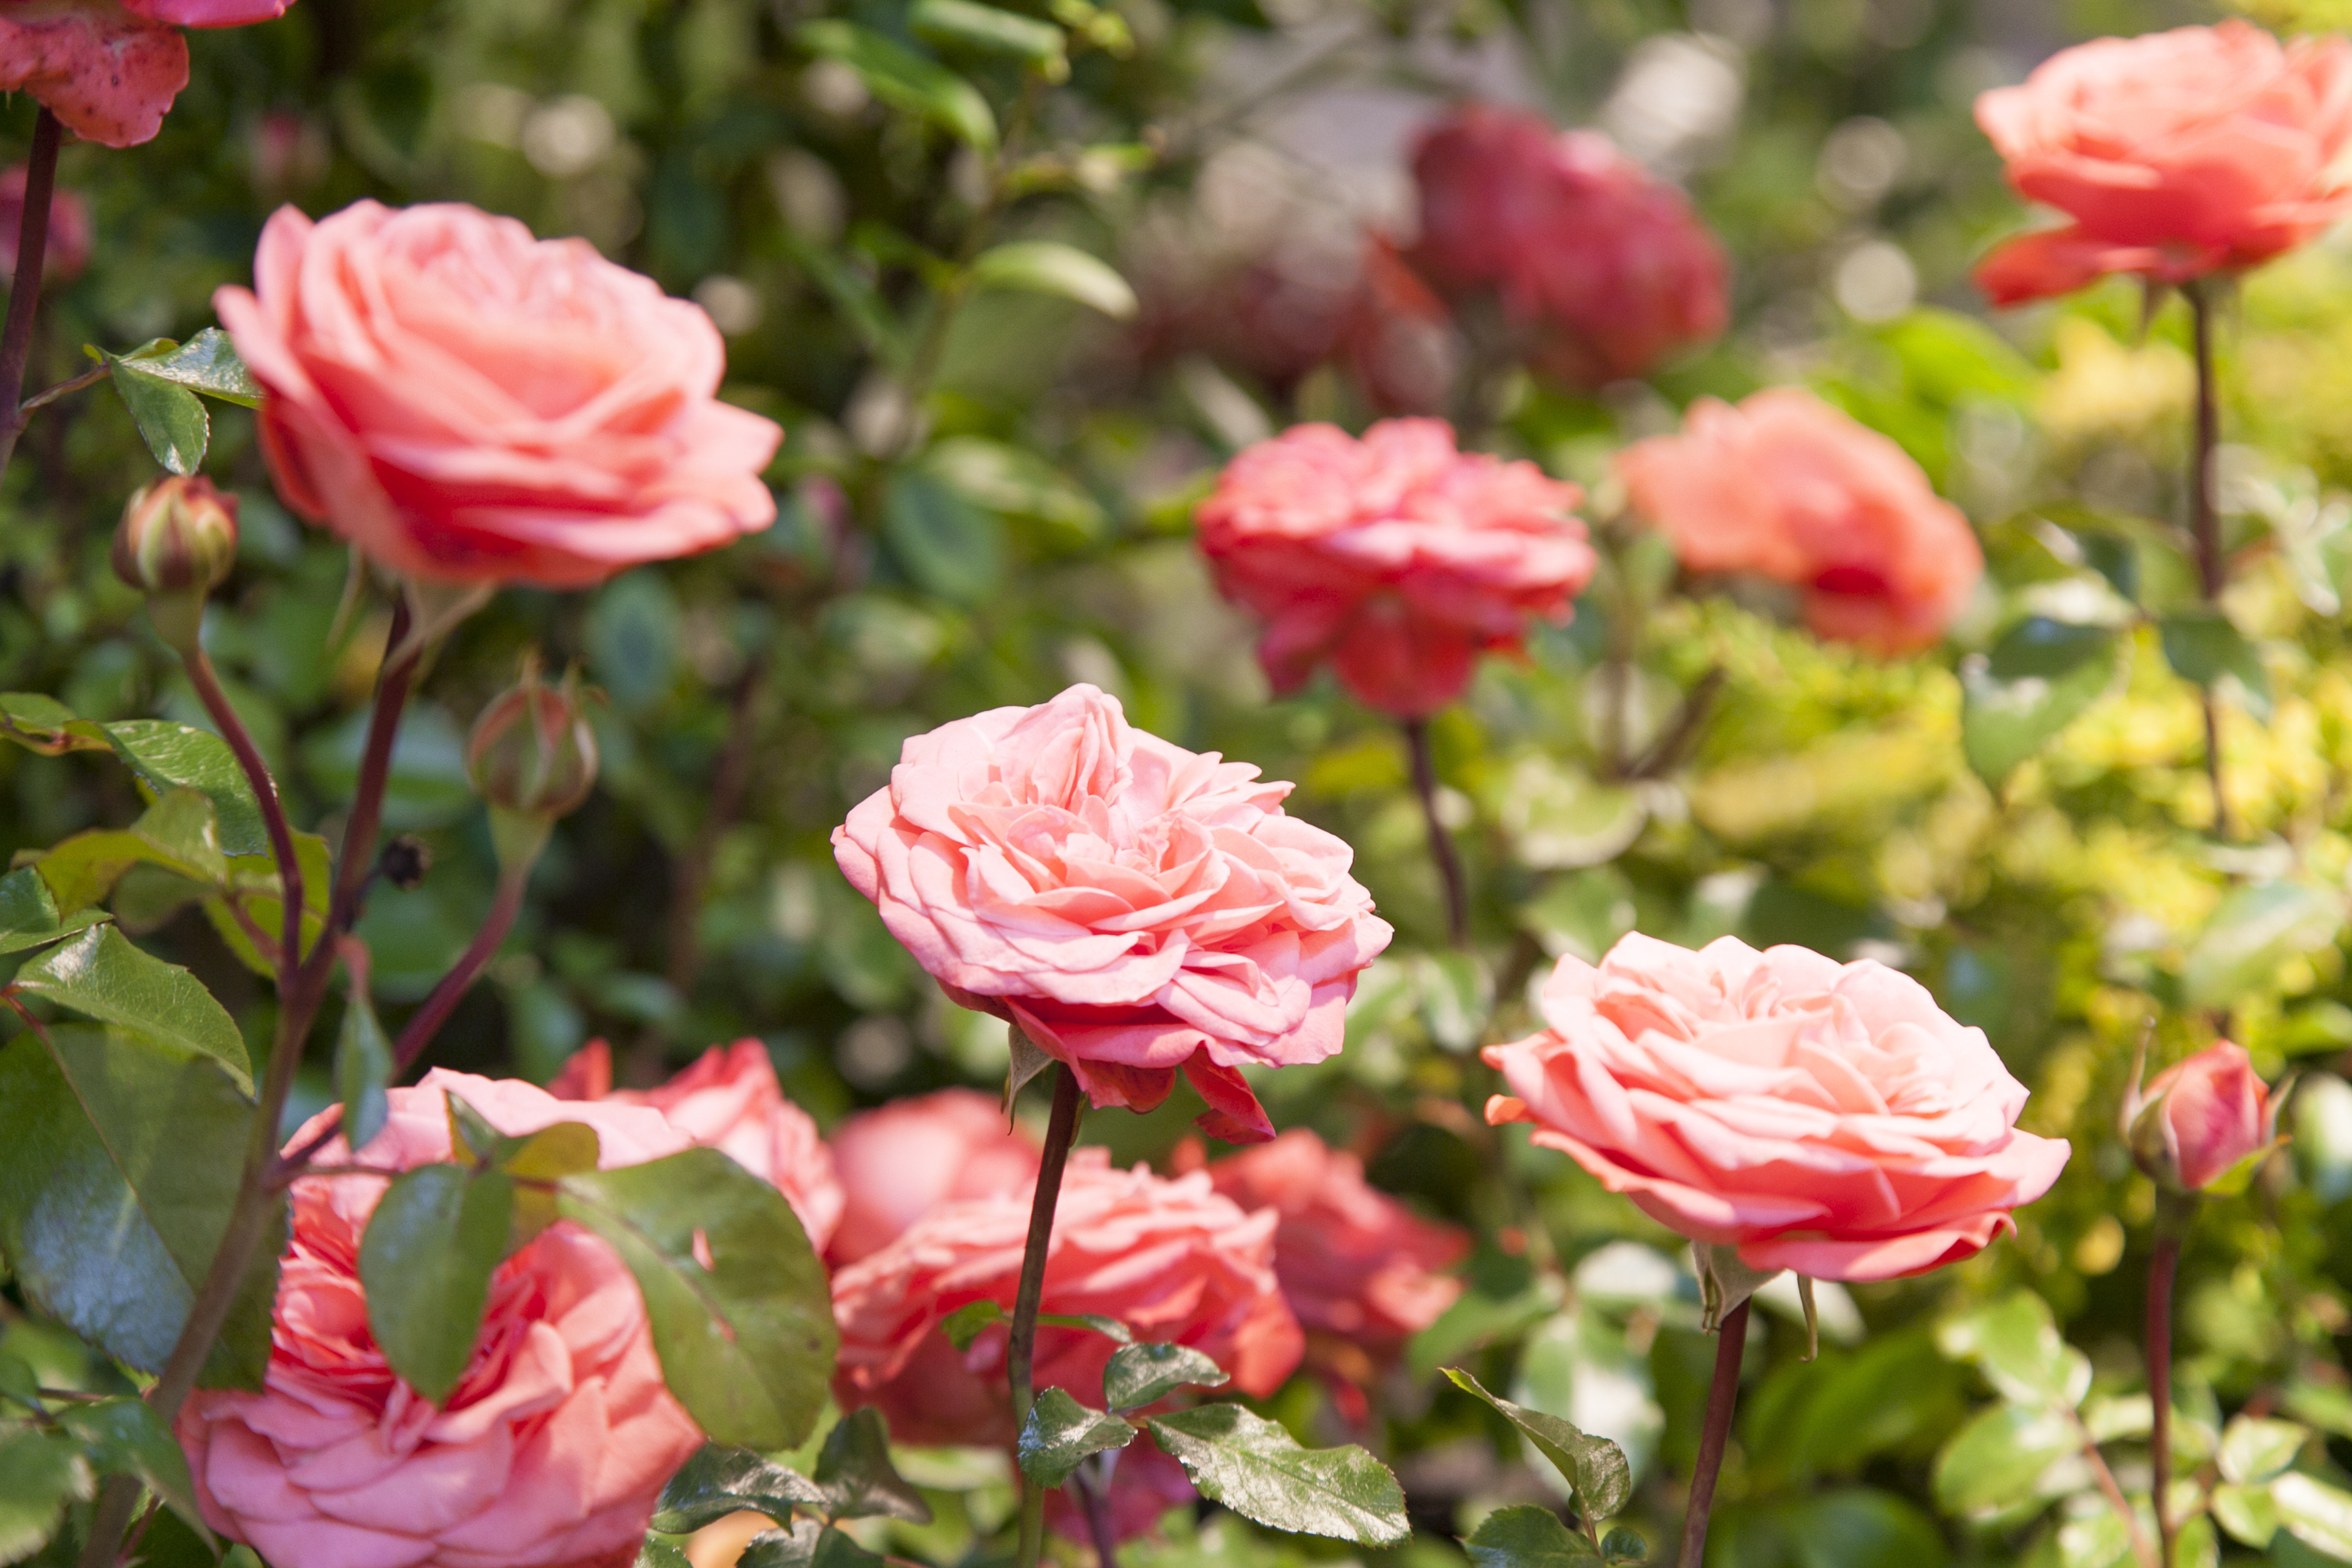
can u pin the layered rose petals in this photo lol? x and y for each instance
(471, 404)
(2176, 155)
(1820, 1117)
(1396, 557)
(900, 1161)
(108, 72)
(556, 1441)
(1131, 907)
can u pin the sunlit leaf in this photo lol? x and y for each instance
(426, 1262)
(1049, 267)
(1062, 1434)
(1255, 1469)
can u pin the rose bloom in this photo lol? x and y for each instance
(1820, 1117)
(730, 1100)
(2176, 155)
(1172, 1259)
(1608, 267)
(110, 70)
(1788, 487)
(2198, 1117)
(1131, 907)
(1396, 557)
(898, 1162)
(554, 1443)
(469, 404)
(68, 248)
(1363, 1272)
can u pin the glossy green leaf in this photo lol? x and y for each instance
(40, 1473)
(2014, 1341)
(1138, 1375)
(46, 725)
(2002, 1459)
(1595, 1466)
(168, 756)
(123, 1164)
(948, 546)
(2254, 929)
(1528, 1537)
(855, 1472)
(2203, 646)
(989, 30)
(2248, 1512)
(363, 1070)
(1255, 1469)
(746, 1343)
(1062, 1434)
(655, 1552)
(903, 79)
(2255, 1450)
(170, 419)
(28, 912)
(125, 1436)
(794, 1546)
(1049, 267)
(178, 833)
(2317, 1514)
(207, 363)
(2003, 724)
(101, 975)
(718, 1480)
(425, 1263)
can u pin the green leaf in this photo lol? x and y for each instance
(537, 1162)
(2016, 1344)
(46, 725)
(1527, 1537)
(718, 1480)
(1595, 1466)
(2202, 646)
(255, 885)
(425, 1263)
(2318, 1515)
(178, 833)
(124, 1162)
(1623, 1545)
(1559, 817)
(170, 419)
(2002, 1459)
(207, 363)
(655, 1552)
(1061, 1434)
(905, 80)
(2255, 1450)
(100, 975)
(1255, 1469)
(28, 913)
(2248, 1512)
(1861, 1525)
(854, 1470)
(747, 1343)
(1506, 1294)
(125, 1436)
(1110, 1329)
(947, 545)
(991, 31)
(969, 1321)
(2252, 930)
(168, 756)
(363, 1070)
(1010, 479)
(1049, 267)
(2038, 646)
(40, 1473)
(1138, 1375)
(2003, 724)
(794, 1546)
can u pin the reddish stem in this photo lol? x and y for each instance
(1722, 1396)
(428, 1019)
(25, 293)
(1440, 842)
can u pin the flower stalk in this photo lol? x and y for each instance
(1020, 1341)
(1722, 1397)
(25, 293)
(2205, 524)
(1440, 842)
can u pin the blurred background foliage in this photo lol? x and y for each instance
(986, 493)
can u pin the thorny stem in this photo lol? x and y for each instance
(1021, 1342)
(1722, 1394)
(419, 1032)
(25, 294)
(2205, 524)
(200, 676)
(1440, 842)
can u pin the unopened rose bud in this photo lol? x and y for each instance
(177, 535)
(2200, 1118)
(532, 754)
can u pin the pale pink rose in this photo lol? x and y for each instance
(1396, 557)
(900, 1162)
(1788, 488)
(67, 250)
(1132, 907)
(1605, 268)
(467, 404)
(730, 1100)
(2201, 1116)
(2176, 155)
(1820, 1117)
(1363, 1271)
(1172, 1259)
(556, 1441)
(107, 72)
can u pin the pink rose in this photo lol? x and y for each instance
(2200, 1117)
(467, 404)
(730, 1100)
(1788, 488)
(900, 1162)
(1131, 907)
(1820, 1117)
(556, 1441)
(2176, 155)
(1396, 557)
(1172, 1259)
(1609, 268)
(1363, 1272)
(108, 73)
(67, 249)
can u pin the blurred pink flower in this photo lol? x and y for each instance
(110, 70)
(900, 1162)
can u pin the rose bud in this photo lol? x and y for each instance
(178, 535)
(532, 758)
(2201, 1119)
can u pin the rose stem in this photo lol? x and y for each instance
(1021, 1342)
(25, 294)
(419, 1032)
(1731, 1342)
(2205, 523)
(2171, 1223)
(1096, 1498)
(1440, 842)
(200, 676)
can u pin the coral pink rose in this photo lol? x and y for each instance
(1363, 1271)
(1172, 1259)
(1819, 1117)
(471, 404)
(1607, 268)
(1788, 487)
(2201, 1116)
(2176, 155)
(554, 1443)
(1396, 557)
(730, 1100)
(109, 71)
(67, 252)
(1131, 907)
(905, 1158)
